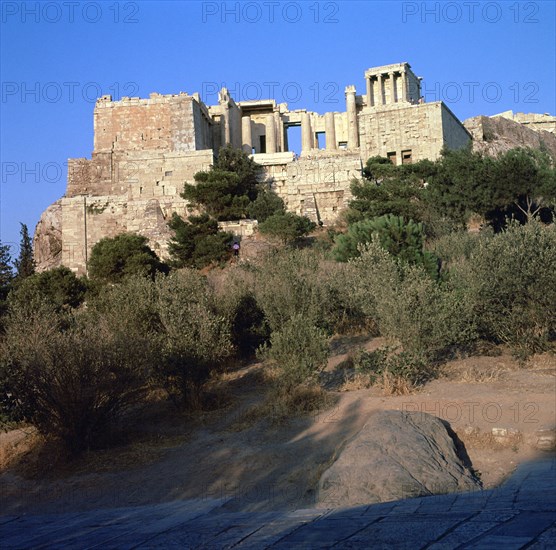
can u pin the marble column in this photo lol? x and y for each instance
(330, 130)
(404, 85)
(246, 138)
(278, 132)
(306, 131)
(225, 128)
(392, 87)
(223, 100)
(270, 134)
(380, 91)
(370, 99)
(353, 133)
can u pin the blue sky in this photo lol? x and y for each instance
(56, 57)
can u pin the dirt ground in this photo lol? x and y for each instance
(497, 408)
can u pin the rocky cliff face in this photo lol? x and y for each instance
(498, 134)
(47, 242)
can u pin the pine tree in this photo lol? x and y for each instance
(6, 276)
(6, 273)
(25, 264)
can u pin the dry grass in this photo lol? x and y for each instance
(37, 458)
(279, 406)
(395, 385)
(358, 381)
(543, 362)
(16, 444)
(481, 369)
(480, 375)
(476, 439)
(387, 382)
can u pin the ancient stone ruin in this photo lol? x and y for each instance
(146, 149)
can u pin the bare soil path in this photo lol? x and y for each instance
(497, 408)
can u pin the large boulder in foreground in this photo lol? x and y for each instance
(397, 455)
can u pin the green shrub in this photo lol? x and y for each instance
(68, 375)
(236, 301)
(198, 242)
(286, 227)
(343, 312)
(175, 322)
(114, 259)
(196, 339)
(299, 350)
(265, 205)
(513, 280)
(59, 286)
(372, 273)
(290, 282)
(457, 247)
(425, 316)
(130, 311)
(347, 244)
(403, 239)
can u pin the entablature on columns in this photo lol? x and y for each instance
(388, 84)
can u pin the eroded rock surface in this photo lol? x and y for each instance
(495, 135)
(397, 455)
(47, 242)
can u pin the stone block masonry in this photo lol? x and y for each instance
(145, 150)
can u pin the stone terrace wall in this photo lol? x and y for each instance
(165, 123)
(110, 215)
(422, 129)
(315, 185)
(147, 173)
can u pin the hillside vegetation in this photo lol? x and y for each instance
(79, 354)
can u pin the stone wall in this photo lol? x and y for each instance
(315, 185)
(135, 173)
(86, 220)
(420, 131)
(146, 149)
(455, 135)
(158, 123)
(535, 121)
(240, 228)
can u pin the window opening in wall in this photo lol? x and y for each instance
(392, 157)
(320, 138)
(406, 156)
(262, 140)
(342, 145)
(293, 138)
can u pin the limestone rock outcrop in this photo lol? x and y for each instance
(47, 242)
(396, 455)
(495, 135)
